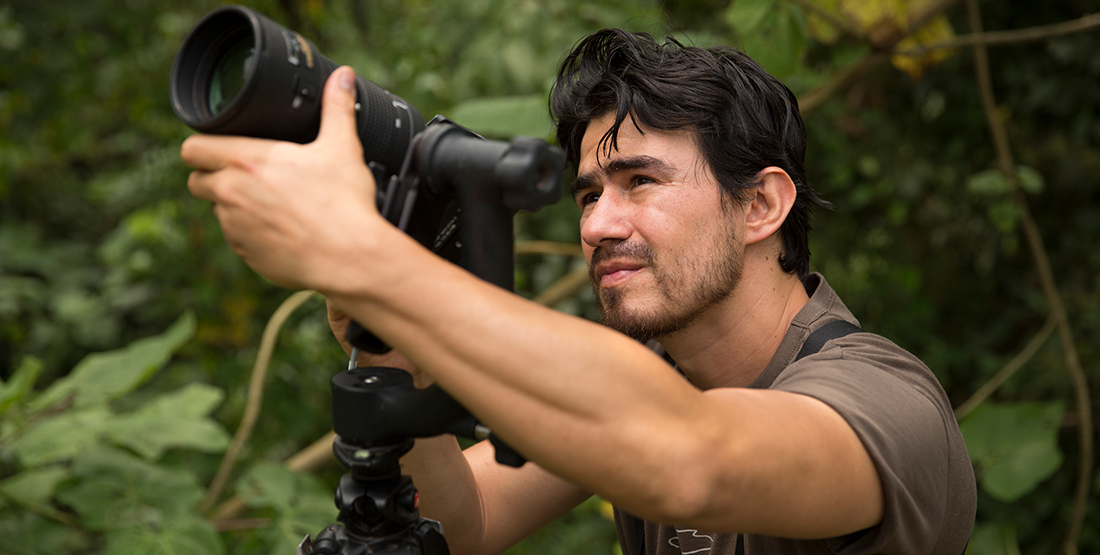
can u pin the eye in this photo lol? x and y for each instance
(585, 199)
(641, 180)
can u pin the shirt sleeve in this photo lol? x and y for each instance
(899, 412)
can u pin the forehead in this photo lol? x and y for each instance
(676, 148)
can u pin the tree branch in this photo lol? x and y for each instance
(548, 247)
(839, 81)
(998, 38)
(1046, 275)
(1007, 372)
(843, 79)
(919, 20)
(842, 23)
(563, 287)
(255, 395)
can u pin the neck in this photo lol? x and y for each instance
(732, 343)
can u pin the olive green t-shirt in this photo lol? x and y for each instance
(904, 419)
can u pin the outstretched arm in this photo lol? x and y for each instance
(587, 404)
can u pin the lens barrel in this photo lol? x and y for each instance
(240, 73)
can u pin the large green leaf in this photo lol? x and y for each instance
(62, 437)
(190, 536)
(987, 182)
(303, 505)
(506, 116)
(1015, 446)
(993, 183)
(117, 490)
(176, 419)
(20, 384)
(993, 539)
(747, 16)
(772, 32)
(34, 487)
(28, 533)
(101, 377)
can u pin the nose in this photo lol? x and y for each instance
(605, 220)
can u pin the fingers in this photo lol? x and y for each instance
(209, 154)
(199, 185)
(338, 109)
(215, 152)
(334, 314)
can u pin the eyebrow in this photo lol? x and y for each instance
(618, 165)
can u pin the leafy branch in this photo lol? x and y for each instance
(255, 395)
(1046, 275)
(1007, 371)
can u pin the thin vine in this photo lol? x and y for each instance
(1046, 275)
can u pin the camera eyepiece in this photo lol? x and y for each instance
(240, 73)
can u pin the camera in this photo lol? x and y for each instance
(241, 73)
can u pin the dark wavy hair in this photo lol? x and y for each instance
(743, 119)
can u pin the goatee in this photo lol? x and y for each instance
(687, 290)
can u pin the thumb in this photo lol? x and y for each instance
(338, 108)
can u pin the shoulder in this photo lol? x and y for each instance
(900, 412)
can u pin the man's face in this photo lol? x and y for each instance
(661, 247)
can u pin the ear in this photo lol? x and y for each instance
(767, 210)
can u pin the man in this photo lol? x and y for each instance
(694, 218)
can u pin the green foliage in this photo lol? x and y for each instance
(103, 377)
(105, 474)
(69, 444)
(506, 116)
(1014, 447)
(772, 32)
(101, 246)
(588, 529)
(300, 503)
(993, 539)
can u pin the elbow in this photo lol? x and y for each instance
(686, 502)
(693, 484)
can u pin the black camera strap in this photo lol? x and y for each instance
(830, 331)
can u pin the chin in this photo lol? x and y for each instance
(641, 325)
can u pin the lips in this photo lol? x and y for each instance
(612, 273)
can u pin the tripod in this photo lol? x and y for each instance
(377, 411)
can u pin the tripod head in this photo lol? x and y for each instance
(377, 411)
(378, 506)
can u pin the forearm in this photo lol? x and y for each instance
(485, 507)
(565, 392)
(448, 491)
(603, 412)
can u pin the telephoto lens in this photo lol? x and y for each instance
(240, 73)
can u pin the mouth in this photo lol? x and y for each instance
(612, 273)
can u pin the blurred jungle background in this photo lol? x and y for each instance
(959, 140)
